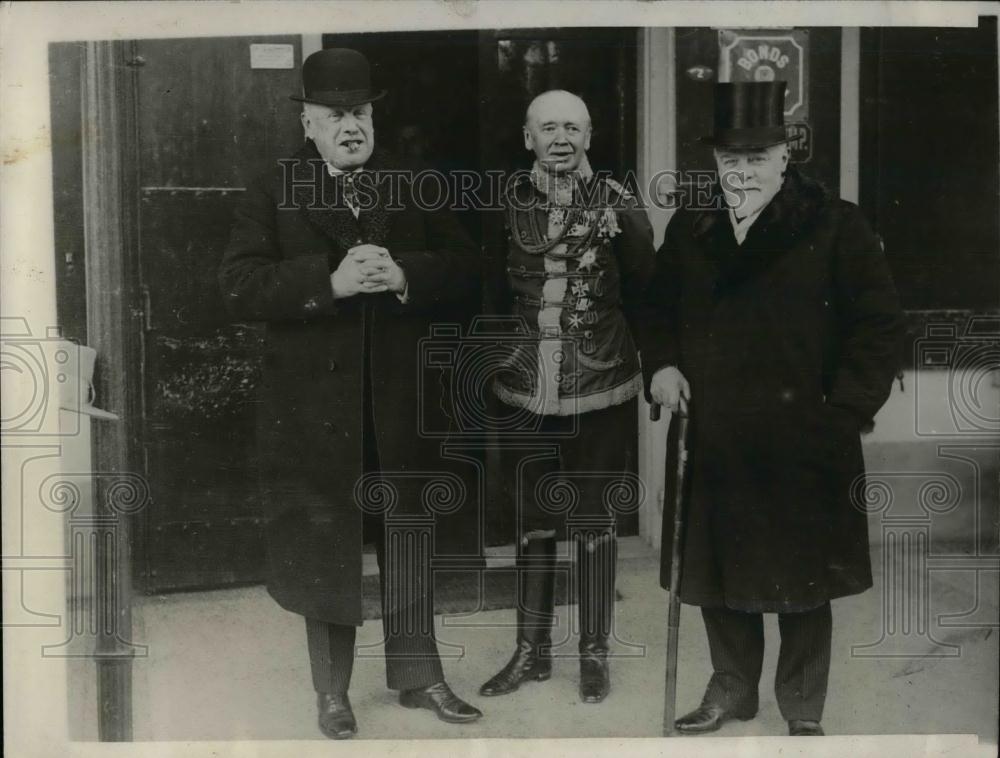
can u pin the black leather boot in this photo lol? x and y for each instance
(532, 661)
(595, 565)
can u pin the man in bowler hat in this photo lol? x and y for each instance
(774, 314)
(348, 273)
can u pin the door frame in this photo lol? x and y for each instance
(114, 328)
(656, 139)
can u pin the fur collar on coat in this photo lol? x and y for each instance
(792, 214)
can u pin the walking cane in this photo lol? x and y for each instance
(674, 612)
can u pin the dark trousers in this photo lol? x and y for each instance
(575, 489)
(736, 643)
(583, 482)
(411, 654)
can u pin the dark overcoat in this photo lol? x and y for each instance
(790, 343)
(291, 231)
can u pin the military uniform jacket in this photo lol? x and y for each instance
(574, 276)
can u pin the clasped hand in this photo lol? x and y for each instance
(367, 269)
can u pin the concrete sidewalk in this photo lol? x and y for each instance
(233, 665)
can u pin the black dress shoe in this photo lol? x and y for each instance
(805, 728)
(440, 699)
(595, 680)
(528, 664)
(336, 719)
(708, 718)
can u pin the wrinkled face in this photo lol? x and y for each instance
(751, 178)
(345, 137)
(557, 129)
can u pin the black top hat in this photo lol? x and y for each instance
(749, 115)
(337, 77)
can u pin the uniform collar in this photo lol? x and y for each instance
(559, 188)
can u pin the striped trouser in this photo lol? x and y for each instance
(411, 654)
(736, 643)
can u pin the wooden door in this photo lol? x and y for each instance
(207, 123)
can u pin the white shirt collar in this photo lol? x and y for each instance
(333, 170)
(351, 200)
(742, 226)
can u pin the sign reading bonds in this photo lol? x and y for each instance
(764, 55)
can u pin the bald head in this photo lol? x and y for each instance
(557, 128)
(557, 102)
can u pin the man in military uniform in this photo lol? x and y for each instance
(578, 257)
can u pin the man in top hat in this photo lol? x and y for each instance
(578, 255)
(348, 273)
(773, 313)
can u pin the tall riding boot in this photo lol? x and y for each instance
(595, 565)
(532, 661)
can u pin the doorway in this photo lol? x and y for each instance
(207, 121)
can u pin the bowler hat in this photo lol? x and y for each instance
(748, 115)
(337, 77)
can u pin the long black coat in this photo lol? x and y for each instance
(277, 269)
(790, 343)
